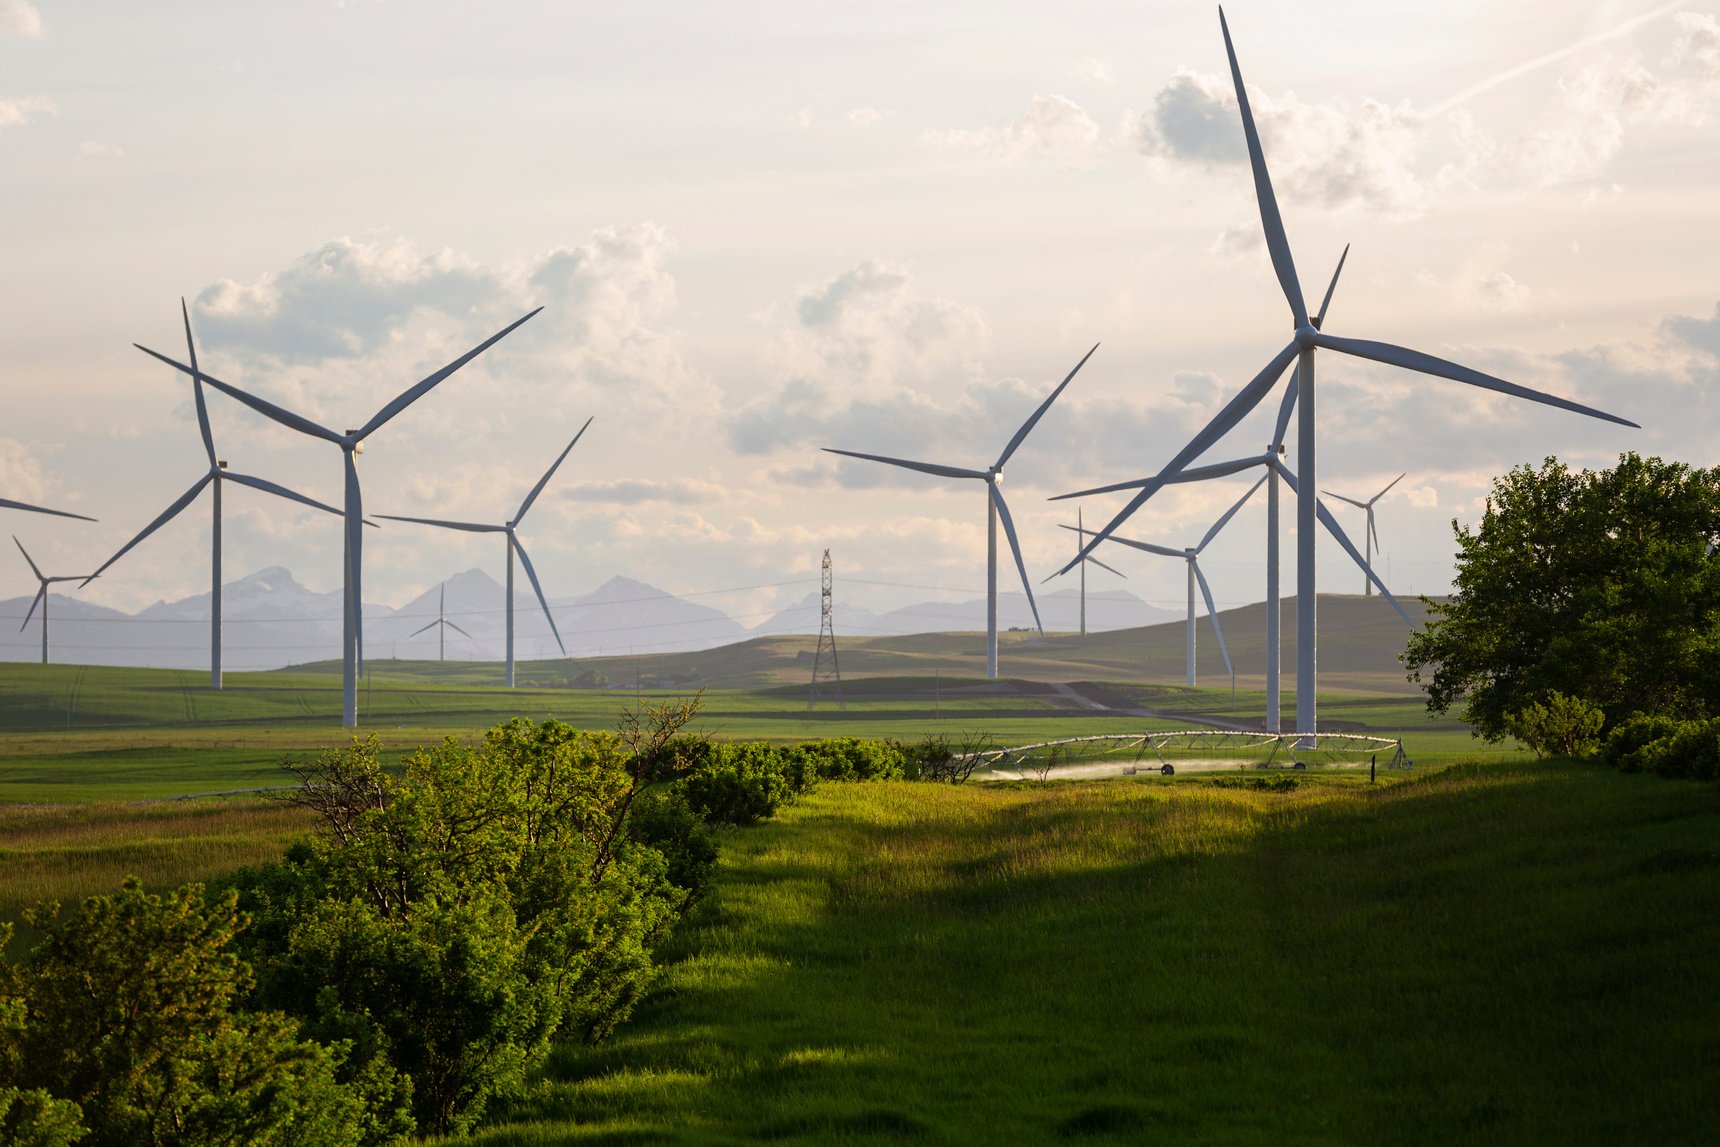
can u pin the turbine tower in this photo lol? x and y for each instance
(1305, 340)
(995, 508)
(1081, 535)
(442, 624)
(216, 474)
(1370, 536)
(351, 444)
(513, 546)
(41, 597)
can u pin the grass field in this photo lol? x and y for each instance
(1494, 953)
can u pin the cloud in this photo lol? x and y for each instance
(868, 117)
(21, 110)
(1698, 42)
(1054, 127)
(94, 149)
(1500, 292)
(1094, 73)
(22, 478)
(634, 491)
(1320, 154)
(18, 18)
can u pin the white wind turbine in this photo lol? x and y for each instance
(442, 625)
(351, 444)
(1370, 536)
(1191, 557)
(995, 508)
(1081, 533)
(42, 593)
(508, 527)
(213, 477)
(1305, 340)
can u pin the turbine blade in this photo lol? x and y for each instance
(537, 588)
(269, 487)
(414, 393)
(41, 595)
(456, 629)
(416, 632)
(469, 527)
(33, 567)
(1193, 474)
(1234, 411)
(923, 467)
(197, 385)
(1372, 532)
(1103, 566)
(1327, 301)
(1341, 498)
(1428, 364)
(1285, 409)
(261, 405)
(1276, 241)
(1015, 548)
(1343, 539)
(544, 481)
(1212, 614)
(1229, 514)
(1040, 413)
(161, 520)
(7, 503)
(1146, 547)
(1388, 488)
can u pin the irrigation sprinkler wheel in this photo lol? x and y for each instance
(1167, 769)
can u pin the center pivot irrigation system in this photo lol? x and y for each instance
(1199, 749)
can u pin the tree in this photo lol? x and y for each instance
(124, 1020)
(1602, 586)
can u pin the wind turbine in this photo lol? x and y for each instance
(995, 508)
(351, 444)
(1305, 340)
(42, 593)
(508, 527)
(442, 624)
(1370, 536)
(1081, 536)
(216, 474)
(1191, 556)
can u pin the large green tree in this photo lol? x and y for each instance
(1602, 585)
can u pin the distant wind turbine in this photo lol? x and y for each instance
(1370, 536)
(995, 508)
(508, 527)
(216, 474)
(42, 593)
(442, 625)
(351, 444)
(1081, 536)
(1306, 339)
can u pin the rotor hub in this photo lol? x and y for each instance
(1305, 335)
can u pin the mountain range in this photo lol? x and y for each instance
(270, 621)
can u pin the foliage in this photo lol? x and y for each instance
(1558, 726)
(1598, 585)
(124, 1019)
(449, 921)
(936, 759)
(1668, 747)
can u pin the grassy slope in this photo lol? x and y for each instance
(1493, 953)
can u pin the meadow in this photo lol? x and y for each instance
(1480, 953)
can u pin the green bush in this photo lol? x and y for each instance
(853, 759)
(741, 783)
(1666, 746)
(1624, 745)
(125, 1032)
(1558, 726)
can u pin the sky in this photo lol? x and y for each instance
(760, 228)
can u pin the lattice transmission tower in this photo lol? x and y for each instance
(826, 674)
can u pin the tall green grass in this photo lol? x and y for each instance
(1485, 954)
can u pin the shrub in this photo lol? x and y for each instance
(1558, 726)
(124, 1019)
(1624, 745)
(742, 783)
(853, 759)
(1666, 746)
